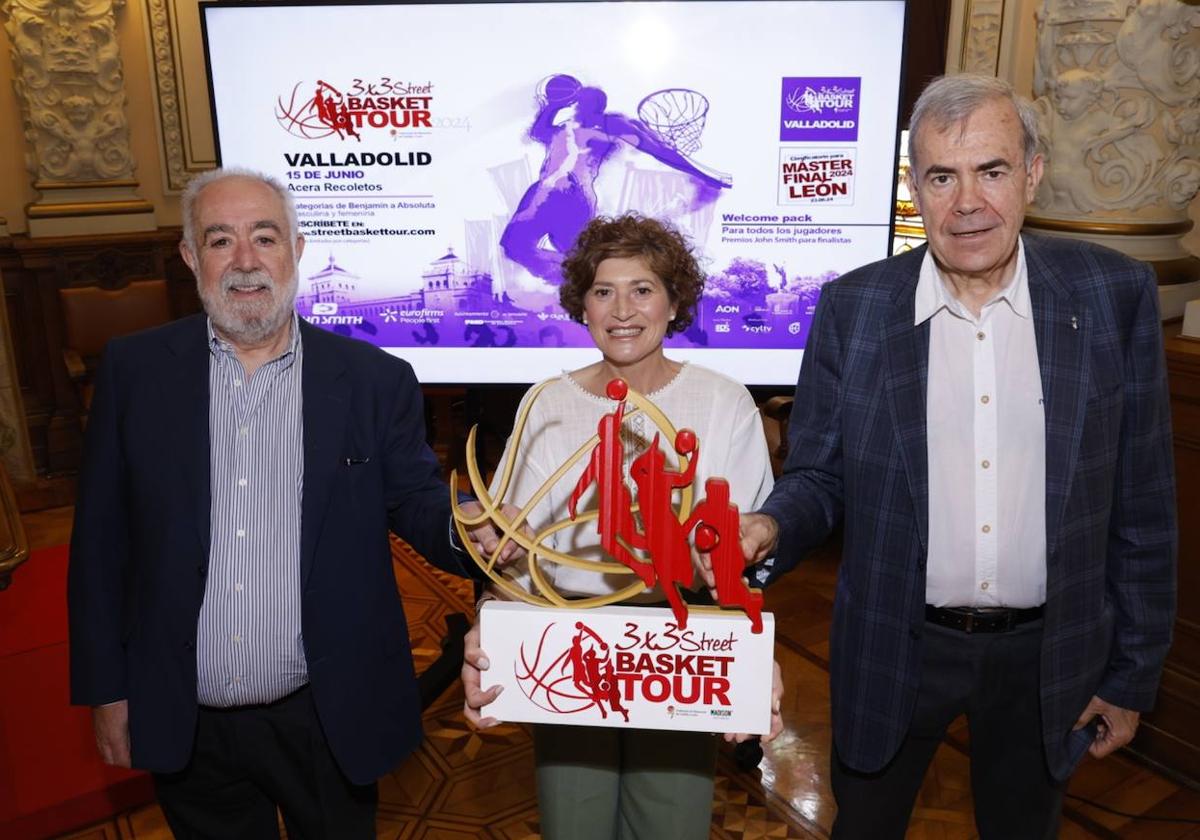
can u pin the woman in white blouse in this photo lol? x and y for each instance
(632, 281)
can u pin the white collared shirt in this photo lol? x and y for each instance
(986, 440)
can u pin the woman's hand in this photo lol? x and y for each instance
(475, 662)
(776, 717)
(486, 536)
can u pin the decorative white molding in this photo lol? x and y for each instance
(977, 29)
(981, 42)
(178, 127)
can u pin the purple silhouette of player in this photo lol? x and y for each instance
(563, 199)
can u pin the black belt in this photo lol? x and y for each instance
(972, 620)
(270, 704)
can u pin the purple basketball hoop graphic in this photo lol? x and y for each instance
(676, 116)
(819, 108)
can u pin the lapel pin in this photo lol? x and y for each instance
(1074, 323)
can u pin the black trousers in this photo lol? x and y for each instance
(250, 760)
(993, 678)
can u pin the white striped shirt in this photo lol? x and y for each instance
(249, 647)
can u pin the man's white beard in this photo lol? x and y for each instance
(249, 322)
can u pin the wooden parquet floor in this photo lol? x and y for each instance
(467, 784)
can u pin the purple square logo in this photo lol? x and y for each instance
(819, 108)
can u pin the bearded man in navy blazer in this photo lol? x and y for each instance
(234, 618)
(988, 417)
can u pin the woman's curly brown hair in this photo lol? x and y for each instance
(665, 251)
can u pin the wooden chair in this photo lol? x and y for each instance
(92, 316)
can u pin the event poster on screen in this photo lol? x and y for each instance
(444, 157)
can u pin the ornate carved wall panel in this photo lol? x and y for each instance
(1118, 97)
(71, 89)
(1119, 100)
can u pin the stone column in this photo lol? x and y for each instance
(71, 88)
(1117, 87)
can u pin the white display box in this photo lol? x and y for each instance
(628, 666)
(1191, 319)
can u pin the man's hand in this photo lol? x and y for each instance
(111, 723)
(474, 663)
(776, 716)
(760, 534)
(486, 538)
(1115, 728)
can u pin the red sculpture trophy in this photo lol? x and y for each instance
(698, 668)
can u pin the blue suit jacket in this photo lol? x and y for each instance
(139, 551)
(858, 453)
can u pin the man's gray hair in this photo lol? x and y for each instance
(951, 100)
(212, 176)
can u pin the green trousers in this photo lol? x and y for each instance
(624, 784)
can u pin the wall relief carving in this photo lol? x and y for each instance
(1118, 96)
(69, 82)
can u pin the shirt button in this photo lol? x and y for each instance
(237, 587)
(985, 399)
(981, 335)
(985, 463)
(245, 430)
(237, 383)
(987, 529)
(984, 585)
(237, 679)
(241, 532)
(237, 637)
(241, 482)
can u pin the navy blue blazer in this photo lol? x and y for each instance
(139, 551)
(858, 455)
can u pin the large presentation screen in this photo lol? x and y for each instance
(444, 156)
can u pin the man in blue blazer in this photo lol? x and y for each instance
(988, 417)
(234, 618)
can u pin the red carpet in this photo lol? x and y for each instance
(51, 780)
